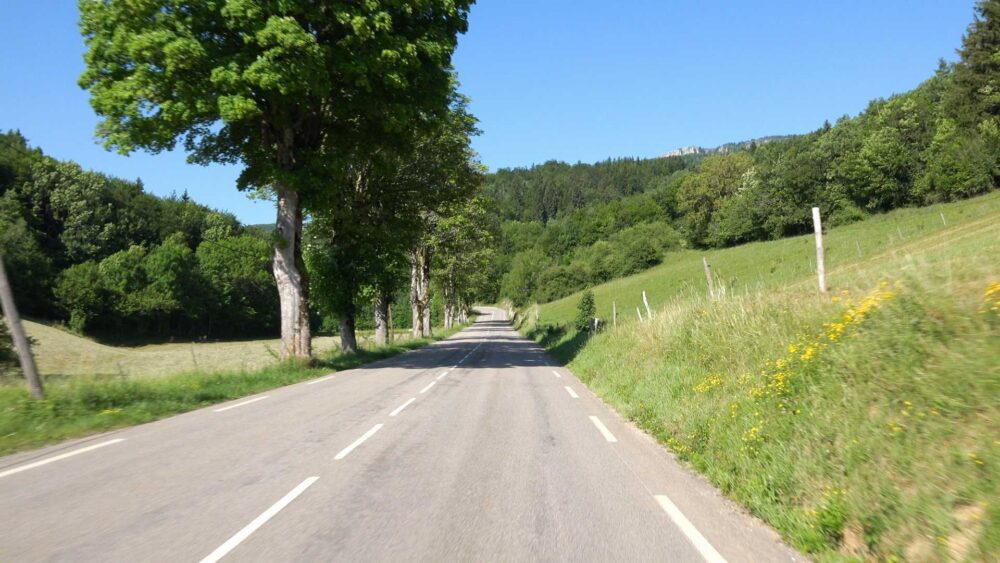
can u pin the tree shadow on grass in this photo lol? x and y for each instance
(557, 341)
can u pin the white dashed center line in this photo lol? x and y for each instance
(49, 460)
(442, 375)
(241, 404)
(604, 429)
(428, 388)
(694, 536)
(556, 373)
(400, 408)
(259, 521)
(571, 392)
(343, 453)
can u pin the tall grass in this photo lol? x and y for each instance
(863, 425)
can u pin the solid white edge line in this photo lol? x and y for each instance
(49, 460)
(571, 392)
(403, 406)
(259, 521)
(428, 388)
(693, 535)
(343, 453)
(556, 373)
(604, 429)
(242, 404)
(320, 380)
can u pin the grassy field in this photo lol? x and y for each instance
(59, 352)
(82, 403)
(863, 425)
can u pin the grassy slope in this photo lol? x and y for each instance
(85, 404)
(883, 441)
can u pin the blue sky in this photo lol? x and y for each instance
(574, 80)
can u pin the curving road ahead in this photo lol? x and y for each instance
(477, 448)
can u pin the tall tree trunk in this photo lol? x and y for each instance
(420, 290)
(425, 289)
(348, 337)
(418, 314)
(381, 318)
(290, 277)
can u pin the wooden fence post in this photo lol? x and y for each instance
(17, 334)
(708, 276)
(649, 314)
(820, 267)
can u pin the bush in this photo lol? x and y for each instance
(586, 312)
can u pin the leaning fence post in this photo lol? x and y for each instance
(638, 313)
(858, 244)
(708, 276)
(17, 334)
(614, 313)
(820, 268)
(649, 314)
(943, 221)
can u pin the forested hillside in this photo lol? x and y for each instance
(566, 227)
(104, 255)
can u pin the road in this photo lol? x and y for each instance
(476, 448)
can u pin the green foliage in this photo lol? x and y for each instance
(8, 358)
(585, 312)
(701, 193)
(107, 257)
(80, 291)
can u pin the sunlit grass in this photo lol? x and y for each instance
(863, 424)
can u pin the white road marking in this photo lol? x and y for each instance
(571, 392)
(259, 521)
(442, 375)
(556, 373)
(428, 388)
(320, 380)
(469, 354)
(604, 429)
(49, 460)
(241, 404)
(400, 408)
(343, 453)
(694, 536)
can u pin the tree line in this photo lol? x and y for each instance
(348, 116)
(107, 257)
(568, 227)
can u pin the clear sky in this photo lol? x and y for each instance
(574, 80)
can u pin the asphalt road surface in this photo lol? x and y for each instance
(477, 448)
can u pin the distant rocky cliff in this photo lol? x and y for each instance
(726, 148)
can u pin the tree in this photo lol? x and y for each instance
(463, 242)
(702, 194)
(585, 312)
(280, 87)
(975, 91)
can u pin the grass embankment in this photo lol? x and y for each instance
(863, 425)
(80, 405)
